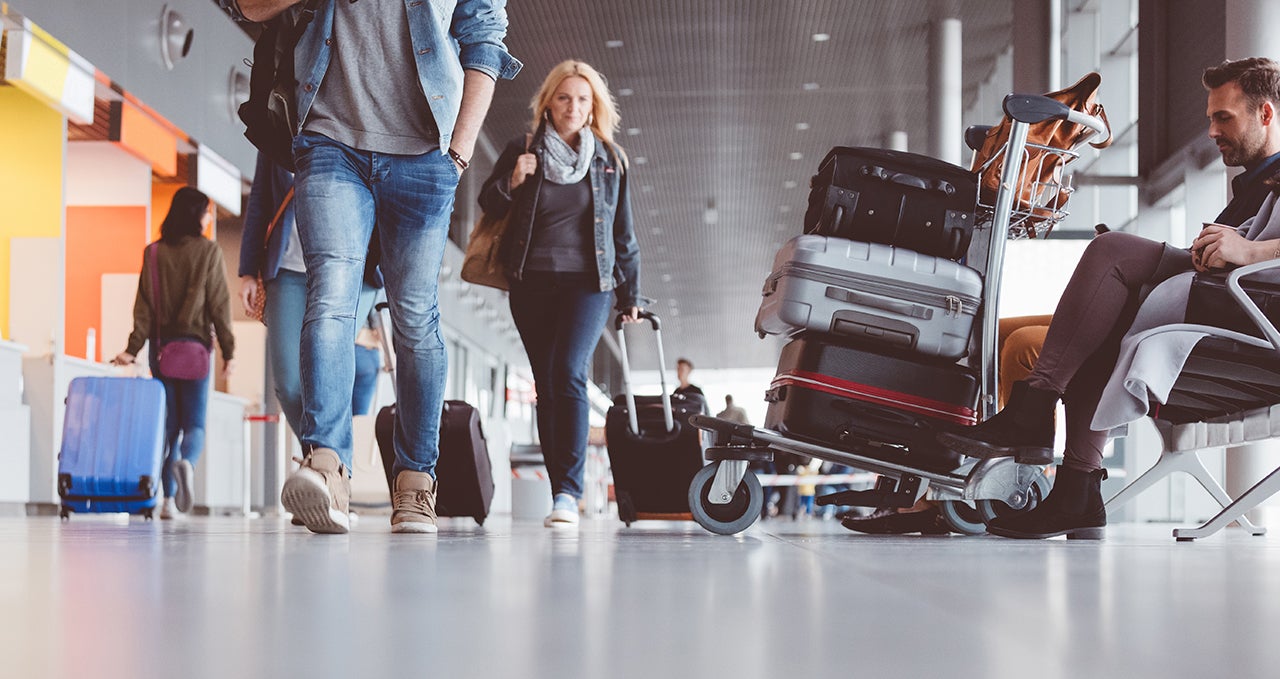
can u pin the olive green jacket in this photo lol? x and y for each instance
(194, 299)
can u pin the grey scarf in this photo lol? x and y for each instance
(560, 163)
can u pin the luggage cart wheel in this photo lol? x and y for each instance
(732, 517)
(1036, 493)
(962, 518)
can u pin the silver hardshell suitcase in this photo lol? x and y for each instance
(870, 292)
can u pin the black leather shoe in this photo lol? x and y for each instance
(1073, 508)
(885, 521)
(1023, 430)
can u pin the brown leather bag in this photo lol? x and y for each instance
(1041, 169)
(482, 263)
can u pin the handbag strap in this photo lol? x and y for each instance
(153, 253)
(275, 221)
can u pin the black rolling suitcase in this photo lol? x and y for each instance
(893, 197)
(854, 396)
(653, 451)
(464, 474)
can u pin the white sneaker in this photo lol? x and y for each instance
(185, 475)
(564, 512)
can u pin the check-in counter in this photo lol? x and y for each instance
(222, 478)
(15, 431)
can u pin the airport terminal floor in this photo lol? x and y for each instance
(220, 597)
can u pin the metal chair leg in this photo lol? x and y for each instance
(1236, 510)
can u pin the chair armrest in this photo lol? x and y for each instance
(1250, 308)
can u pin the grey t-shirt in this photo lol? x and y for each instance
(563, 236)
(371, 98)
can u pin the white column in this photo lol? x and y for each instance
(945, 88)
(896, 140)
(1251, 30)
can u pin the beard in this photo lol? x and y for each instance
(1247, 150)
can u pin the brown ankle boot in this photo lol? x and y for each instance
(1074, 508)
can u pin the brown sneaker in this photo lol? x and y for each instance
(319, 493)
(413, 504)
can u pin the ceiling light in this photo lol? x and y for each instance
(711, 215)
(633, 131)
(796, 155)
(654, 213)
(657, 231)
(613, 44)
(802, 126)
(788, 184)
(666, 278)
(641, 160)
(821, 37)
(626, 92)
(784, 209)
(646, 188)
(809, 87)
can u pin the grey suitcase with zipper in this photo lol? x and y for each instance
(873, 293)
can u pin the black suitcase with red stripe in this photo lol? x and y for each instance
(854, 396)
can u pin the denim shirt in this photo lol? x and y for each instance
(447, 36)
(617, 254)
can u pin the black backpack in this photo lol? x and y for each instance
(271, 114)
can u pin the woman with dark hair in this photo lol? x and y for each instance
(182, 294)
(570, 247)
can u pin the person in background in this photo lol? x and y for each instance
(732, 412)
(684, 367)
(570, 248)
(194, 303)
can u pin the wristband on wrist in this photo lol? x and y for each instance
(457, 158)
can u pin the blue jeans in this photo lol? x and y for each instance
(368, 361)
(286, 303)
(560, 317)
(340, 194)
(186, 408)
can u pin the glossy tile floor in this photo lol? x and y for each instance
(215, 597)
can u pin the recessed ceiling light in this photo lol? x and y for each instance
(821, 37)
(657, 231)
(796, 155)
(613, 44)
(788, 184)
(666, 278)
(802, 126)
(646, 188)
(626, 92)
(784, 209)
(809, 87)
(654, 213)
(641, 160)
(633, 131)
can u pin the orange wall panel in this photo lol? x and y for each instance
(100, 240)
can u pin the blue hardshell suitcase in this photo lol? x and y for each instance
(112, 445)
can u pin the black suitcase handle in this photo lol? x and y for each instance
(942, 186)
(633, 422)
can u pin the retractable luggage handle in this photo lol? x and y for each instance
(626, 372)
(384, 336)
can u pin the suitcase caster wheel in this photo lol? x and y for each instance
(64, 514)
(149, 514)
(962, 518)
(626, 510)
(1036, 492)
(733, 517)
(479, 521)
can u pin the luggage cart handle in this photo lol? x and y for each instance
(1036, 108)
(633, 421)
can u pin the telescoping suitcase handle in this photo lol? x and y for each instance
(626, 372)
(384, 335)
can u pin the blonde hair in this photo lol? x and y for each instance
(605, 120)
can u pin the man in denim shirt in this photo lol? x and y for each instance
(390, 99)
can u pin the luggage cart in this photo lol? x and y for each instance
(726, 498)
